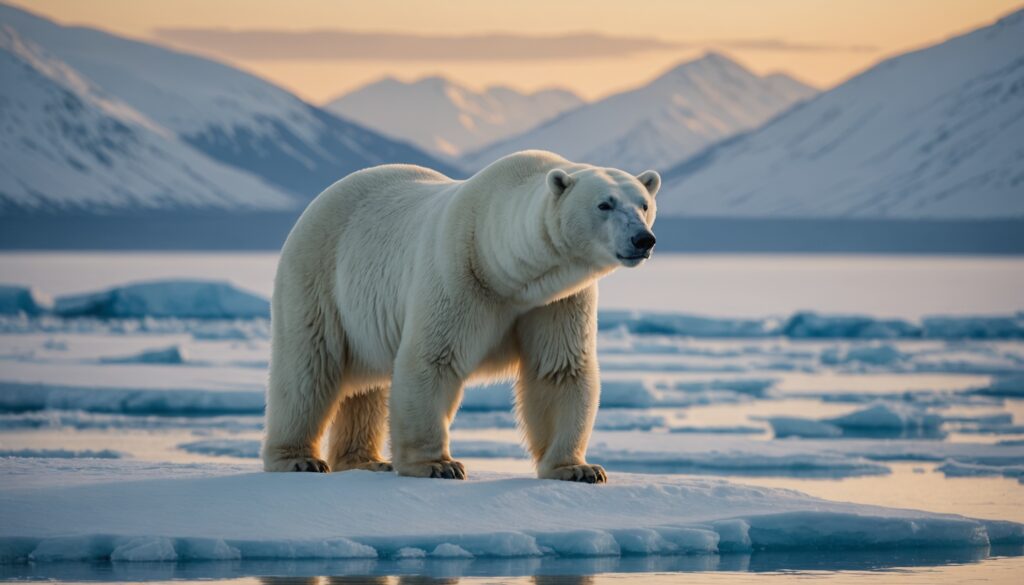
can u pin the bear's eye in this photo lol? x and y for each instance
(645, 207)
(605, 206)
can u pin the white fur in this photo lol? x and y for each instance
(398, 284)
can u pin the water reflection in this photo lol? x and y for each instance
(541, 571)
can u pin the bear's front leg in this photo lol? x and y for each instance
(425, 393)
(559, 386)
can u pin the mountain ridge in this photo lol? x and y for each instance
(230, 116)
(679, 112)
(445, 117)
(930, 134)
(109, 155)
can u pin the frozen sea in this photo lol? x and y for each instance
(887, 391)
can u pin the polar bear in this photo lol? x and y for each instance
(398, 285)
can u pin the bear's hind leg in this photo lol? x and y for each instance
(305, 384)
(359, 431)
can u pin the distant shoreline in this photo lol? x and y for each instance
(266, 231)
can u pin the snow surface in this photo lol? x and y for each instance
(657, 125)
(447, 118)
(728, 454)
(126, 511)
(935, 133)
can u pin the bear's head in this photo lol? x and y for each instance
(606, 214)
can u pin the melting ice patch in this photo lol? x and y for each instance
(60, 454)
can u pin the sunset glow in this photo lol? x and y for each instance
(819, 42)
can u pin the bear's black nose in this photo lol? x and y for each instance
(643, 240)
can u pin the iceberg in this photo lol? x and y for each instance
(1005, 387)
(792, 426)
(197, 299)
(809, 325)
(174, 354)
(21, 300)
(882, 416)
(641, 322)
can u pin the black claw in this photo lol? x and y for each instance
(297, 468)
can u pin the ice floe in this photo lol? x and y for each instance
(124, 511)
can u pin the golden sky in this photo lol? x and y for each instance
(821, 42)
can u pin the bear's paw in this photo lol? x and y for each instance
(304, 464)
(584, 473)
(445, 469)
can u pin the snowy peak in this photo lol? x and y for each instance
(711, 63)
(66, 145)
(934, 133)
(213, 116)
(675, 115)
(444, 117)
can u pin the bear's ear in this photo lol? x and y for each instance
(651, 180)
(559, 182)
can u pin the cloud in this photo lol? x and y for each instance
(350, 45)
(382, 46)
(781, 45)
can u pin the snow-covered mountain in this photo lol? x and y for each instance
(232, 117)
(674, 116)
(447, 118)
(67, 146)
(936, 133)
